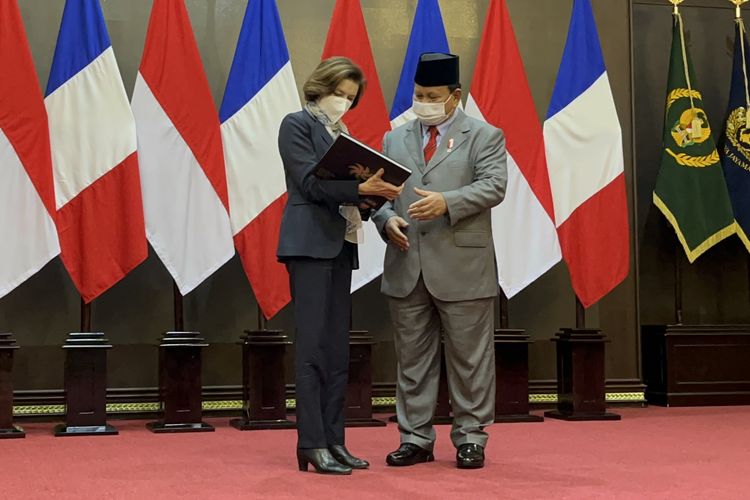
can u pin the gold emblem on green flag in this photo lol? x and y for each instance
(690, 188)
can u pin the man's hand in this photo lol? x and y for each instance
(431, 206)
(375, 185)
(393, 229)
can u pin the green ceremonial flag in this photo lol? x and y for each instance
(690, 189)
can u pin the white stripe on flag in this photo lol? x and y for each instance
(404, 117)
(255, 174)
(526, 243)
(581, 155)
(371, 256)
(186, 222)
(91, 126)
(26, 228)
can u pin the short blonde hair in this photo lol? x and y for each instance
(329, 74)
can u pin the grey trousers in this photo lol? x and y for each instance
(470, 361)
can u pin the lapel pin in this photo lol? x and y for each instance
(450, 144)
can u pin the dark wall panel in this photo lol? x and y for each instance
(715, 287)
(135, 313)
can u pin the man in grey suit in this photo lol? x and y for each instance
(440, 270)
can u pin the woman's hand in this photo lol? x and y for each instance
(376, 186)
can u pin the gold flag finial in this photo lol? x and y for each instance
(676, 3)
(737, 5)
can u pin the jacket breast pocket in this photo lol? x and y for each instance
(478, 239)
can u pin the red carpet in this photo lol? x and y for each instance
(652, 453)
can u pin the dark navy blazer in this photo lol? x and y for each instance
(311, 225)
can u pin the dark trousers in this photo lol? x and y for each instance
(322, 306)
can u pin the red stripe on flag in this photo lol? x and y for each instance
(23, 117)
(501, 90)
(174, 72)
(256, 244)
(595, 242)
(347, 36)
(102, 234)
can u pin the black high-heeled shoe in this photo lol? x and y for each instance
(322, 460)
(342, 455)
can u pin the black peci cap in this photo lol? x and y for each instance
(435, 69)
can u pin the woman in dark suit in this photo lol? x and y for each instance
(318, 245)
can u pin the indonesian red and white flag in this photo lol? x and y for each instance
(368, 122)
(92, 133)
(526, 243)
(260, 91)
(184, 183)
(27, 194)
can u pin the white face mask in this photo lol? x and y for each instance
(334, 106)
(430, 113)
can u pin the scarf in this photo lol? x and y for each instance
(354, 231)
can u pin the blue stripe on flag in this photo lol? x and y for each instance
(83, 36)
(582, 62)
(734, 159)
(427, 35)
(261, 53)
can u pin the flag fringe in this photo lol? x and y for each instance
(709, 242)
(743, 236)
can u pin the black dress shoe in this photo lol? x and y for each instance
(470, 456)
(322, 460)
(342, 455)
(409, 454)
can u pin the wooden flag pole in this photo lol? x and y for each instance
(502, 309)
(678, 249)
(262, 324)
(179, 316)
(678, 283)
(738, 18)
(85, 316)
(580, 314)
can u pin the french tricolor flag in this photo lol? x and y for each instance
(27, 193)
(92, 134)
(260, 91)
(185, 197)
(583, 140)
(427, 35)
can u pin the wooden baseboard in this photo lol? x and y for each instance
(143, 402)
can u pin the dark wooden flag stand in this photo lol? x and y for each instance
(695, 364)
(180, 388)
(263, 384)
(511, 371)
(581, 393)
(7, 348)
(443, 409)
(359, 387)
(85, 382)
